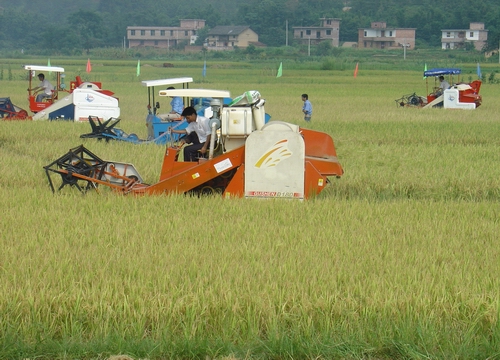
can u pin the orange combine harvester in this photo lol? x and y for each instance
(253, 159)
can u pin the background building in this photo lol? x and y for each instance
(327, 31)
(456, 39)
(229, 37)
(379, 36)
(164, 37)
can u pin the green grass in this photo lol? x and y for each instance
(396, 259)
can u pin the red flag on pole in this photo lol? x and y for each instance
(89, 67)
(356, 70)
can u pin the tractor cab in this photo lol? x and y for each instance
(156, 124)
(33, 72)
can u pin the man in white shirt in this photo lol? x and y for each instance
(44, 89)
(198, 134)
(442, 86)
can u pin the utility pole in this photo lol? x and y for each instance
(286, 34)
(405, 45)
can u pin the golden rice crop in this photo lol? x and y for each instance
(396, 259)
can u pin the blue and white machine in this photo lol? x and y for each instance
(157, 127)
(86, 99)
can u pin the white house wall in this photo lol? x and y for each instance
(475, 35)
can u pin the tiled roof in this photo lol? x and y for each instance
(227, 30)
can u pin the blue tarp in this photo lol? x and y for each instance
(442, 71)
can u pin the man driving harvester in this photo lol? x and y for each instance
(198, 134)
(44, 90)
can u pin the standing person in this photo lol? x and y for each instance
(44, 89)
(307, 109)
(177, 107)
(198, 134)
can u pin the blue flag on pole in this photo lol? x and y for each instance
(204, 71)
(479, 75)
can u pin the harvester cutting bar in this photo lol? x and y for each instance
(9, 111)
(84, 170)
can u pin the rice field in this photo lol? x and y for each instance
(398, 259)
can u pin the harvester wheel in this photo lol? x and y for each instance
(207, 190)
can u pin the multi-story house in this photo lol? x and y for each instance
(327, 31)
(456, 39)
(379, 36)
(164, 36)
(229, 37)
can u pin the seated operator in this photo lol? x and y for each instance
(177, 107)
(44, 90)
(198, 134)
(442, 86)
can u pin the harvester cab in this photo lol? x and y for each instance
(156, 123)
(33, 72)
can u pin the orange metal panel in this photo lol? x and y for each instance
(320, 151)
(318, 144)
(171, 166)
(236, 188)
(314, 182)
(327, 167)
(189, 175)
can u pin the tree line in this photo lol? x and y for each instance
(62, 27)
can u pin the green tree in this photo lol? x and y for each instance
(324, 48)
(202, 35)
(89, 28)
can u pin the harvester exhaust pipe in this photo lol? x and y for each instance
(214, 123)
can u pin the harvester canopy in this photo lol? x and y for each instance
(442, 71)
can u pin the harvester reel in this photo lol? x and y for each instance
(411, 100)
(101, 129)
(78, 165)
